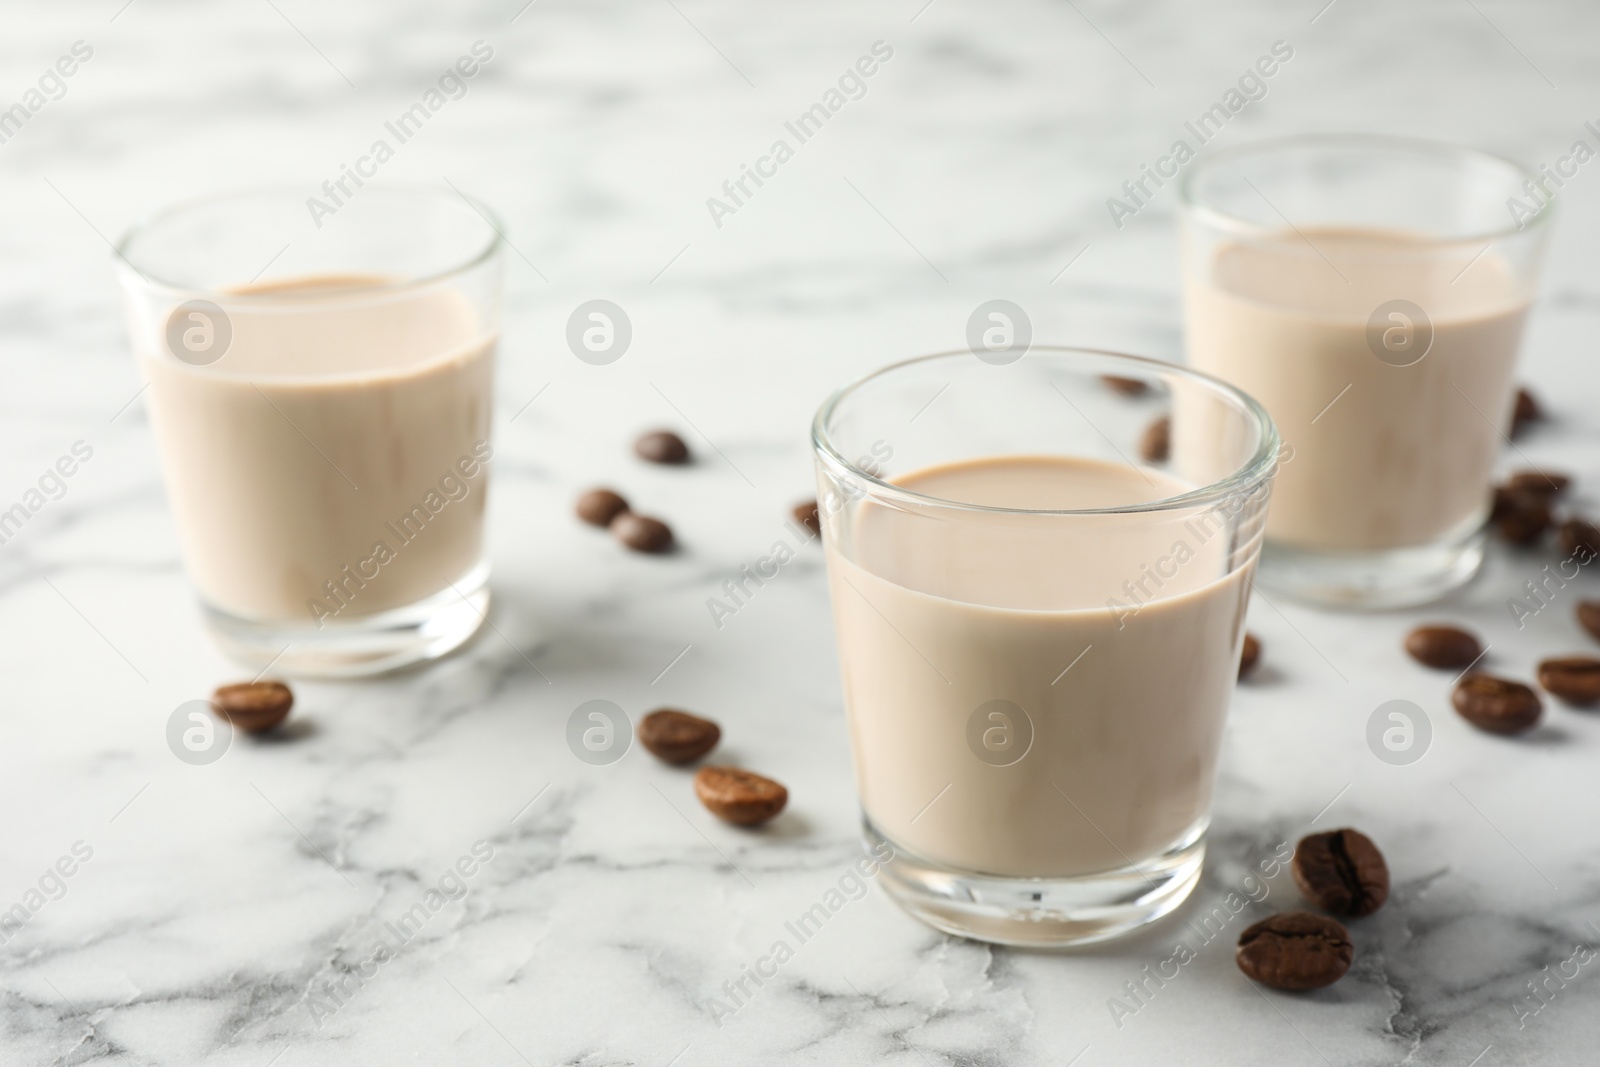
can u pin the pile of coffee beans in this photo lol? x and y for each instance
(1504, 705)
(732, 794)
(1343, 873)
(609, 510)
(1528, 504)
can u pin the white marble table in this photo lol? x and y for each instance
(219, 902)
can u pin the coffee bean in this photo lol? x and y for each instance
(1342, 872)
(598, 507)
(1156, 444)
(662, 446)
(1445, 647)
(1589, 617)
(1524, 519)
(1573, 679)
(1126, 386)
(808, 516)
(1250, 655)
(1495, 704)
(676, 736)
(1580, 538)
(738, 796)
(642, 533)
(1541, 483)
(1504, 501)
(1526, 412)
(254, 707)
(1295, 951)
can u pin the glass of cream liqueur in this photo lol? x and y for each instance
(1371, 292)
(1039, 630)
(320, 394)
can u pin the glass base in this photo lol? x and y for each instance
(370, 644)
(1397, 578)
(1040, 912)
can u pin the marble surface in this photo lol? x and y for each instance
(218, 903)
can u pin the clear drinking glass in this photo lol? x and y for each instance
(319, 384)
(1371, 293)
(1039, 632)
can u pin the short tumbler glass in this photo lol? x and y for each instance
(1371, 293)
(319, 383)
(1039, 573)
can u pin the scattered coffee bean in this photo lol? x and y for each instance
(1295, 951)
(738, 796)
(1504, 501)
(1250, 655)
(598, 507)
(676, 736)
(1526, 412)
(1444, 647)
(1156, 444)
(1342, 872)
(1495, 704)
(642, 533)
(1540, 483)
(254, 707)
(662, 446)
(1126, 386)
(1589, 617)
(1579, 537)
(808, 516)
(1526, 518)
(1572, 679)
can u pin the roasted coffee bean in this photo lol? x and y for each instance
(1525, 521)
(642, 533)
(808, 516)
(738, 796)
(1444, 647)
(1572, 679)
(1156, 444)
(598, 507)
(1495, 704)
(1540, 483)
(254, 707)
(662, 446)
(1505, 501)
(676, 736)
(1589, 617)
(1579, 537)
(1126, 386)
(1250, 655)
(1342, 872)
(1295, 951)
(1526, 412)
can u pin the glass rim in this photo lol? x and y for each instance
(417, 190)
(1397, 145)
(1246, 478)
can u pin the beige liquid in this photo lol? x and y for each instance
(939, 615)
(334, 425)
(1404, 456)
